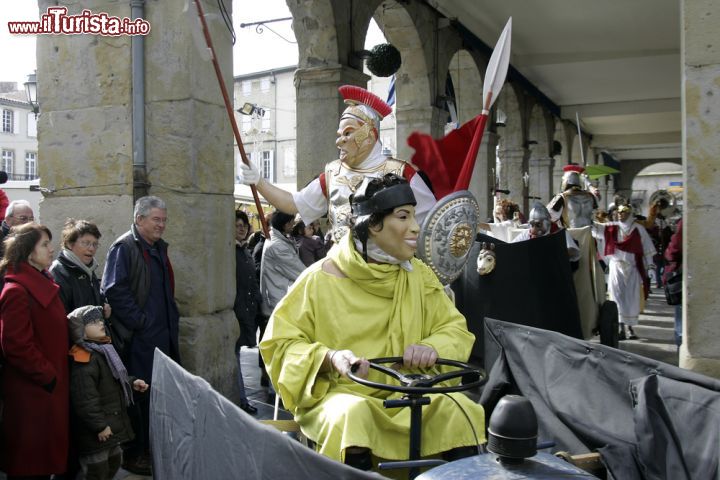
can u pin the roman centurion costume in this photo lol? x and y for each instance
(331, 190)
(573, 207)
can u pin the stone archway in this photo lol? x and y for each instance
(401, 24)
(559, 152)
(314, 26)
(510, 150)
(629, 171)
(466, 81)
(324, 56)
(540, 163)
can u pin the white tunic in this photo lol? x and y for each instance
(625, 285)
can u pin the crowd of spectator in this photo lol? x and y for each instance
(77, 345)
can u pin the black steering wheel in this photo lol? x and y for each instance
(420, 383)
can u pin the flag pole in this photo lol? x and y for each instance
(230, 111)
(495, 75)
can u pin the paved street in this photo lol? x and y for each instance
(655, 331)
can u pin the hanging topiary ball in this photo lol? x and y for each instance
(384, 60)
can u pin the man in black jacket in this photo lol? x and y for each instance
(138, 283)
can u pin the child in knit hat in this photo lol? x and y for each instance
(100, 391)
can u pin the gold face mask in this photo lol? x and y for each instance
(354, 140)
(363, 132)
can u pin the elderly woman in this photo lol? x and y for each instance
(34, 339)
(75, 269)
(369, 298)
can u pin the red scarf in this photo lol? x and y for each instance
(631, 244)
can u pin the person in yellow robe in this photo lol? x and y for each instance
(370, 298)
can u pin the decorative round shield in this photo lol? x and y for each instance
(448, 233)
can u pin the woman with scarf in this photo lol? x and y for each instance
(75, 268)
(74, 271)
(370, 298)
(34, 340)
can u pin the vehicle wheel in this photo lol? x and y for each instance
(609, 324)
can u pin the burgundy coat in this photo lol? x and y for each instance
(34, 340)
(673, 253)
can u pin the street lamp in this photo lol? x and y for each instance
(31, 93)
(250, 108)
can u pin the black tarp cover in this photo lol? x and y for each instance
(648, 419)
(532, 284)
(196, 433)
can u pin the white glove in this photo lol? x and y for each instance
(249, 174)
(343, 360)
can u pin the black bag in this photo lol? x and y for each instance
(673, 287)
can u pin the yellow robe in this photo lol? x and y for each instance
(376, 312)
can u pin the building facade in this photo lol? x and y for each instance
(19, 146)
(18, 136)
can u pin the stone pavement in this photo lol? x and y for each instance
(655, 331)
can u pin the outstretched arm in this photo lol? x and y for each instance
(279, 198)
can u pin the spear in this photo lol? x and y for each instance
(582, 150)
(494, 79)
(230, 112)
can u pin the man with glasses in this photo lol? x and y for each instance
(139, 285)
(19, 212)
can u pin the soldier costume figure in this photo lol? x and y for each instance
(360, 157)
(574, 206)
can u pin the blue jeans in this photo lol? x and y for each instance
(678, 324)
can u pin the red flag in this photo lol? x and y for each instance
(443, 160)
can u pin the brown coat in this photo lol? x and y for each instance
(97, 401)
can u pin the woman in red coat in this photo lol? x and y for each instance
(34, 340)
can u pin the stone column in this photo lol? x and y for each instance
(319, 105)
(419, 119)
(604, 191)
(511, 172)
(541, 179)
(701, 154)
(482, 182)
(86, 148)
(557, 172)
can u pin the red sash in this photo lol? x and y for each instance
(631, 244)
